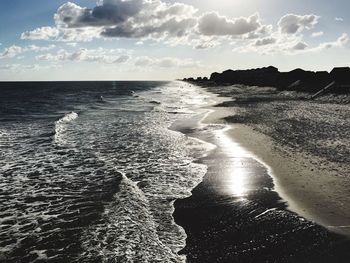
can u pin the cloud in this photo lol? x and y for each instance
(121, 59)
(171, 27)
(167, 62)
(25, 67)
(300, 46)
(340, 42)
(204, 45)
(144, 19)
(14, 50)
(11, 52)
(212, 23)
(107, 13)
(127, 19)
(292, 24)
(100, 55)
(43, 33)
(143, 61)
(171, 24)
(6, 67)
(339, 19)
(265, 41)
(317, 34)
(38, 48)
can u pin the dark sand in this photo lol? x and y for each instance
(235, 215)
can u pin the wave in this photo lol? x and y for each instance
(68, 117)
(128, 231)
(61, 126)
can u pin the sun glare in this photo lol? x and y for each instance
(236, 174)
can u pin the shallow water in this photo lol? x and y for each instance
(89, 171)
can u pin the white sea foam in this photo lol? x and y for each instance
(128, 232)
(61, 126)
(52, 185)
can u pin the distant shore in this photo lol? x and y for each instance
(309, 85)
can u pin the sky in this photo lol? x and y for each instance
(164, 40)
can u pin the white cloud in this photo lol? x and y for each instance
(38, 48)
(99, 55)
(26, 67)
(79, 34)
(339, 19)
(340, 42)
(143, 61)
(167, 62)
(145, 19)
(11, 52)
(171, 24)
(317, 34)
(43, 33)
(14, 50)
(292, 24)
(72, 44)
(6, 67)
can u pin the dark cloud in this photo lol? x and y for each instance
(129, 18)
(109, 12)
(171, 27)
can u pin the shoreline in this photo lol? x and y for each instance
(319, 199)
(310, 191)
(235, 214)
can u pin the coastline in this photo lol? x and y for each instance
(311, 189)
(298, 181)
(236, 214)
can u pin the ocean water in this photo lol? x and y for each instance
(89, 171)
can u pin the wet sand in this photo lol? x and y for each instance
(304, 143)
(311, 192)
(236, 215)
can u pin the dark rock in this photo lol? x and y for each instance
(215, 77)
(341, 74)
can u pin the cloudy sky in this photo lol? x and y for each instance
(164, 39)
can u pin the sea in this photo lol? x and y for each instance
(89, 171)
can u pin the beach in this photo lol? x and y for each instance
(167, 172)
(265, 199)
(306, 145)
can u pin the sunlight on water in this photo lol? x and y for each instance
(237, 183)
(236, 173)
